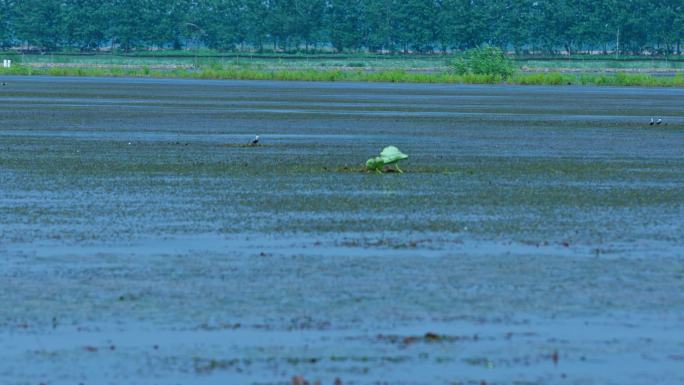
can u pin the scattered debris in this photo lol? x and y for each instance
(220, 326)
(128, 297)
(480, 361)
(299, 380)
(429, 337)
(209, 365)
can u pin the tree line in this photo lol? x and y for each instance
(421, 26)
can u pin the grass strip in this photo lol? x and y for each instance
(387, 76)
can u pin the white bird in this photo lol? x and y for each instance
(652, 122)
(659, 121)
(254, 141)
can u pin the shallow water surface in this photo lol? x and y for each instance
(536, 236)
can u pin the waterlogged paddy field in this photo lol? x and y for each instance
(535, 238)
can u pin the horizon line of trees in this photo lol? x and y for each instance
(423, 26)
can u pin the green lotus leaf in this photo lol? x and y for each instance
(391, 155)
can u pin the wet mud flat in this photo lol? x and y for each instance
(535, 238)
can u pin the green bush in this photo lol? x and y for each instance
(485, 60)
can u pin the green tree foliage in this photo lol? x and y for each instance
(417, 25)
(39, 22)
(127, 23)
(168, 24)
(383, 23)
(6, 30)
(217, 24)
(84, 35)
(549, 26)
(348, 29)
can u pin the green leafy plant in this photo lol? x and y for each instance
(484, 60)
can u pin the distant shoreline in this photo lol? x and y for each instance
(335, 75)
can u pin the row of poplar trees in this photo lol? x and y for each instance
(423, 26)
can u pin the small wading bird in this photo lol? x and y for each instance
(659, 121)
(254, 141)
(652, 122)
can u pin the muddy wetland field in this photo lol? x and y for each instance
(536, 236)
